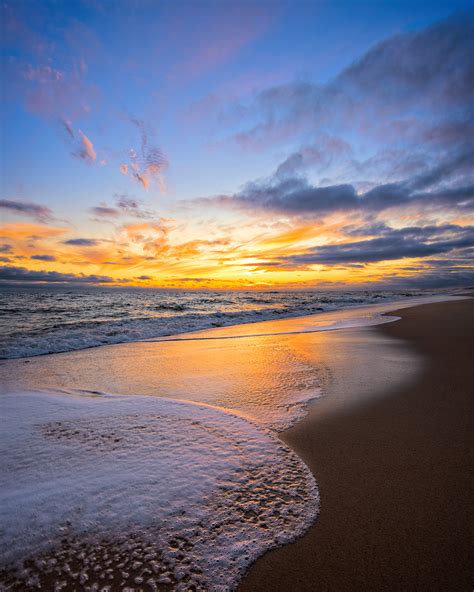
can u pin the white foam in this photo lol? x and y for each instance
(123, 491)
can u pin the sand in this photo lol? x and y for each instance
(393, 471)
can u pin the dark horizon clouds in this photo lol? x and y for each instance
(23, 275)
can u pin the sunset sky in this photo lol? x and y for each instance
(235, 145)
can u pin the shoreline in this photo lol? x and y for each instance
(393, 473)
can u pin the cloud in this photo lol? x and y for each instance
(125, 206)
(143, 277)
(5, 248)
(132, 207)
(23, 275)
(82, 242)
(87, 152)
(30, 232)
(426, 76)
(82, 146)
(318, 155)
(431, 280)
(43, 257)
(406, 106)
(34, 210)
(148, 163)
(450, 183)
(105, 212)
(410, 242)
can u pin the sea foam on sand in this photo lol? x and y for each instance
(141, 493)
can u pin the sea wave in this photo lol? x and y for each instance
(44, 322)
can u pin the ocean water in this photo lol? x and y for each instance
(42, 320)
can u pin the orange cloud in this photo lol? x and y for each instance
(25, 230)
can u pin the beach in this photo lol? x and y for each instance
(394, 473)
(376, 408)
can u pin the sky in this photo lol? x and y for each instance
(237, 144)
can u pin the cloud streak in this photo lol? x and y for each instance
(82, 242)
(37, 211)
(43, 257)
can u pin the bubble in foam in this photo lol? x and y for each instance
(141, 493)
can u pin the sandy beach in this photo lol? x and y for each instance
(393, 472)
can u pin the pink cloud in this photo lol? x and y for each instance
(88, 150)
(83, 147)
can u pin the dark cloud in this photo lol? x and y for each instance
(43, 257)
(411, 242)
(433, 279)
(5, 248)
(105, 212)
(37, 211)
(82, 242)
(5, 259)
(294, 195)
(144, 277)
(21, 274)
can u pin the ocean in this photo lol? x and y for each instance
(44, 320)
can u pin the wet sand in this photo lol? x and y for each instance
(393, 471)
